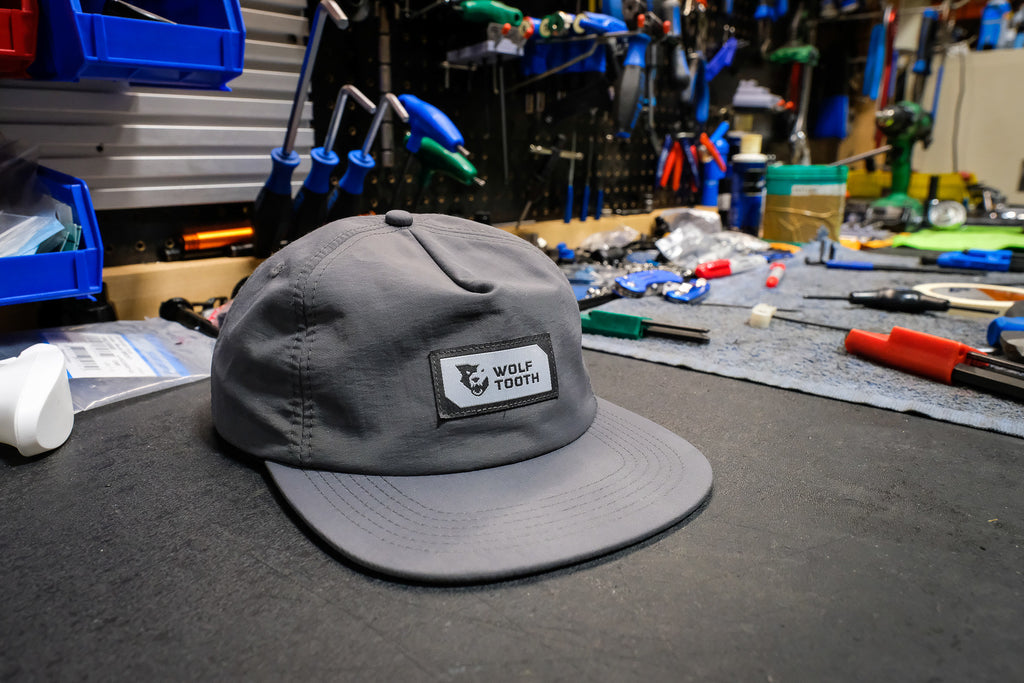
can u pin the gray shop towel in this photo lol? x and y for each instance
(812, 359)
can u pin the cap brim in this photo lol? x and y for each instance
(624, 480)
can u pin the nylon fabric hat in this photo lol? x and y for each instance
(416, 386)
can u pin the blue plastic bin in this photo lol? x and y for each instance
(203, 48)
(60, 275)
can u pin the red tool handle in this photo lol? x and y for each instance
(677, 169)
(670, 161)
(915, 352)
(712, 150)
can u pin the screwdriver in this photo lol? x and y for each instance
(903, 300)
(568, 189)
(586, 187)
(344, 201)
(310, 209)
(272, 211)
(624, 325)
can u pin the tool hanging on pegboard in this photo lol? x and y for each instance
(515, 75)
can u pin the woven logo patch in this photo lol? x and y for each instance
(486, 378)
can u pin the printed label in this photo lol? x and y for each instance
(830, 190)
(487, 378)
(101, 355)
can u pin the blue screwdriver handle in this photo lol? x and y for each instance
(284, 165)
(427, 121)
(586, 202)
(319, 178)
(272, 212)
(309, 210)
(359, 164)
(344, 201)
(568, 204)
(850, 265)
(599, 209)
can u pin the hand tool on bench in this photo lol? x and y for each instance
(940, 359)
(624, 325)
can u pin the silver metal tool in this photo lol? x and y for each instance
(362, 100)
(316, 29)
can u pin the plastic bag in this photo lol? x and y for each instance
(114, 361)
(688, 246)
(610, 239)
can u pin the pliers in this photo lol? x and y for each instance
(673, 168)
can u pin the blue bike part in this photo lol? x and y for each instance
(688, 292)
(637, 284)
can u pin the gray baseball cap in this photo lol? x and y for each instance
(416, 386)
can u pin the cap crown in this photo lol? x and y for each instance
(332, 354)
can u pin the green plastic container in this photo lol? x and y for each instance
(801, 199)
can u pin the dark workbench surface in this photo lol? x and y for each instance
(841, 542)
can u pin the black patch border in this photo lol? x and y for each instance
(447, 410)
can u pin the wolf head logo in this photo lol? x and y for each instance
(474, 378)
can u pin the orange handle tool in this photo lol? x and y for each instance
(915, 352)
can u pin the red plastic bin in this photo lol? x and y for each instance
(19, 20)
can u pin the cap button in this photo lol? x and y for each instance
(398, 218)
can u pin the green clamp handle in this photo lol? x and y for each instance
(490, 11)
(435, 158)
(612, 324)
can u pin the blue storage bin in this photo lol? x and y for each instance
(203, 48)
(59, 275)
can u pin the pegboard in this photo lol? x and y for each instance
(386, 45)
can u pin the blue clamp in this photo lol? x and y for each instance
(1000, 325)
(979, 259)
(688, 292)
(637, 284)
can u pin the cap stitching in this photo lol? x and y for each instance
(305, 411)
(554, 501)
(594, 513)
(418, 538)
(323, 257)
